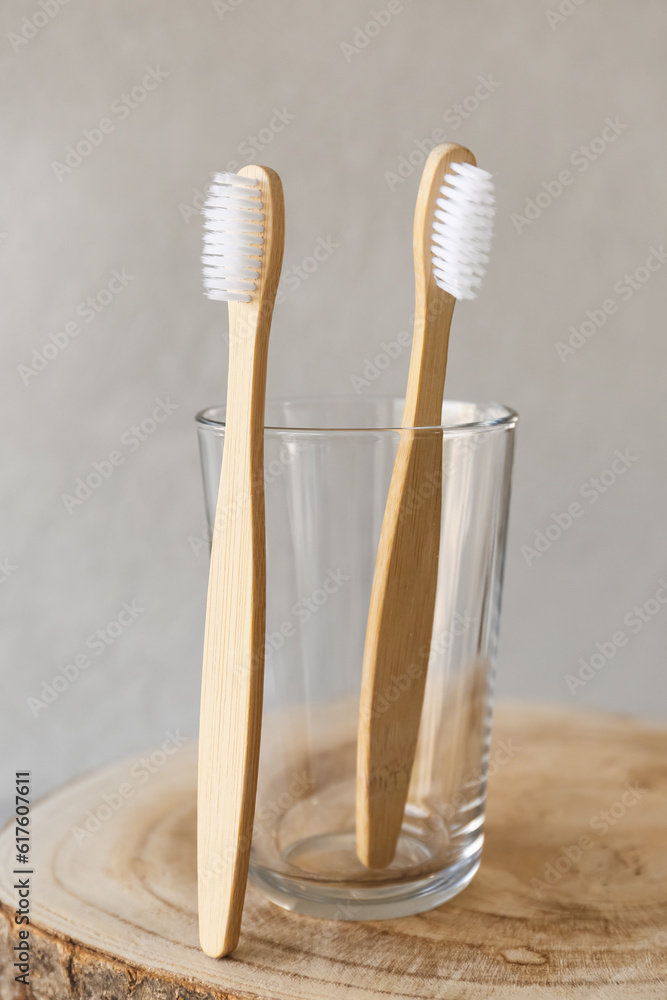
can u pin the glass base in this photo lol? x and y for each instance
(350, 901)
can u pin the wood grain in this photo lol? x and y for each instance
(114, 912)
(233, 668)
(400, 619)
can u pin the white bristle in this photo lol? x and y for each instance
(462, 230)
(234, 222)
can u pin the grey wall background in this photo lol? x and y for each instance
(546, 84)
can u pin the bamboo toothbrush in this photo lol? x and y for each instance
(243, 252)
(451, 240)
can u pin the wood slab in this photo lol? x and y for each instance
(114, 913)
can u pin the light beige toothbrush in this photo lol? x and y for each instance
(243, 252)
(451, 239)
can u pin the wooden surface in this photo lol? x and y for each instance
(233, 669)
(400, 619)
(114, 912)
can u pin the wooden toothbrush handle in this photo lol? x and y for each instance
(232, 691)
(398, 639)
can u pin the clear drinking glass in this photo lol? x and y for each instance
(328, 463)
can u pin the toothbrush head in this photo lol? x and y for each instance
(233, 241)
(462, 230)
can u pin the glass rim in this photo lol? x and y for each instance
(506, 419)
